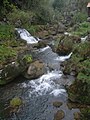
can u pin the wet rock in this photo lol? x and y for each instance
(59, 115)
(35, 70)
(57, 104)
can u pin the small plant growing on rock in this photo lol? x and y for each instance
(28, 58)
(15, 102)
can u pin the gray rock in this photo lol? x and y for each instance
(35, 70)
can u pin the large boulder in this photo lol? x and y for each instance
(13, 69)
(35, 70)
(9, 72)
(66, 44)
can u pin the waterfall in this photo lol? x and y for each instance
(25, 35)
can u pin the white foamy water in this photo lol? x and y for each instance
(43, 49)
(46, 85)
(83, 39)
(57, 92)
(63, 58)
(66, 33)
(25, 35)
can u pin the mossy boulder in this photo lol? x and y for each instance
(57, 104)
(13, 67)
(9, 72)
(35, 69)
(66, 44)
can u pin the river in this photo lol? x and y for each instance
(38, 95)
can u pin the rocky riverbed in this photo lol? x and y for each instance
(44, 95)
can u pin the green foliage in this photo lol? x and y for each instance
(15, 102)
(82, 50)
(79, 17)
(85, 113)
(28, 58)
(58, 4)
(6, 7)
(6, 32)
(23, 17)
(83, 29)
(33, 29)
(6, 53)
(83, 77)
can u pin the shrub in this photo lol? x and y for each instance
(25, 17)
(79, 17)
(6, 32)
(6, 53)
(83, 29)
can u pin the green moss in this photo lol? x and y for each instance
(28, 58)
(15, 102)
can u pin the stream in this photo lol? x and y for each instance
(39, 94)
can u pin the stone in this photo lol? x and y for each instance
(66, 44)
(57, 104)
(35, 70)
(77, 116)
(60, 28)
(59, 115)
(9, 72)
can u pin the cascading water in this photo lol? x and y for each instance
(25, 35)
(39, 94)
